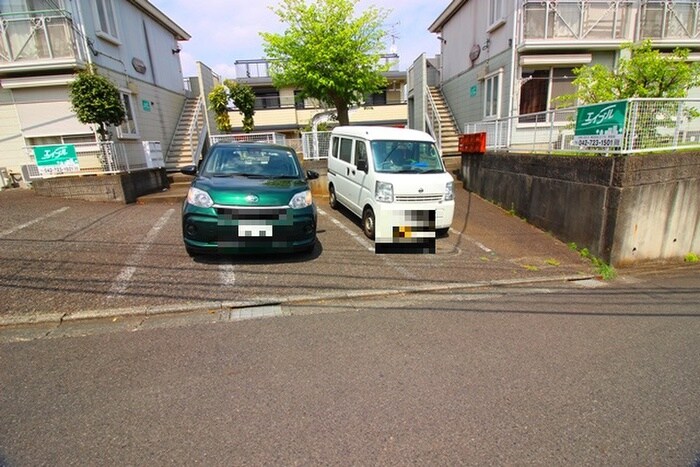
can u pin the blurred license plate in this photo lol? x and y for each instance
(255, 231)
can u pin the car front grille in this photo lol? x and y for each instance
(424, 198)
(261, 213)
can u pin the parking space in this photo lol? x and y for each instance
(67, 256)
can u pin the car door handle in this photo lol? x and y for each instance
(348, 171)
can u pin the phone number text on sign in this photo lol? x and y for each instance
(600, 142)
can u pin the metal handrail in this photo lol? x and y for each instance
(194, 126)
(432, 117)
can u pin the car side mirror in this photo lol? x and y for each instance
(189, 170)
(362, 166)
(311, 174)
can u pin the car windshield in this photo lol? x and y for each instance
(406, 157)
(252, 162)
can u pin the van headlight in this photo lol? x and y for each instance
(199, 198)
(301, 200)
(384, 192)
(450, 191)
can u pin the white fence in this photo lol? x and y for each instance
(95, 158)
(275, 138)
(650, 125)
(315, 145)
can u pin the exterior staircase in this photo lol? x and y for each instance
(450, 134)
(186, 135)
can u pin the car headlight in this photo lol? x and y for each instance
(450, 191)
(301, 200)
(199, 198)
(384, 192)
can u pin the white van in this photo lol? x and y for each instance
(378, 171)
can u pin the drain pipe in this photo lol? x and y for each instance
(513, 67)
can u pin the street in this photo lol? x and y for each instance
(502, 348)
(547, 375)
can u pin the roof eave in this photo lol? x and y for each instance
(445, 16)
(162, 18)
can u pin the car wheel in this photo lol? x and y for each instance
(368, 223)
(332, 200)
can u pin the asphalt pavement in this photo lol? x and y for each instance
(69, 260)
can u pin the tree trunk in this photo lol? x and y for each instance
(341, 108)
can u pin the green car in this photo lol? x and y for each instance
(249, 198)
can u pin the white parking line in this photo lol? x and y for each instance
(121, 282)
(27, 224)
(370, 247)
(483, 247)
(227, 274)
(357, 238)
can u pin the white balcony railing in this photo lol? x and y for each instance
(678, 20)
(589, 20)
(37, 36)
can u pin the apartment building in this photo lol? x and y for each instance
(284, 111)
(510, 58)
(44, 42)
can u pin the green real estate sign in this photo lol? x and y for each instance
(600, 125)
(56, 159)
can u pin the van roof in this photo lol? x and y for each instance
(383, 133)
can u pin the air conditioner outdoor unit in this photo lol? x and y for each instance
(30, 172)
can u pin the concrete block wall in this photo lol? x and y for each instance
(625, 210)
(124, 188)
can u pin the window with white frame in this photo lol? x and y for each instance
(492, 95)
(539, 89)
(106, 21)
(495, 12)
(128, 127)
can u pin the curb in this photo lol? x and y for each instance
(155, 310)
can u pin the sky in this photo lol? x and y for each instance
(224, 31)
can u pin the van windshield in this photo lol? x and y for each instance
(406, 157)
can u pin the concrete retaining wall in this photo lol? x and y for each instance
(623, 209)
(124, 187)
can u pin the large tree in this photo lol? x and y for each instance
(645, 72)
(327, 52)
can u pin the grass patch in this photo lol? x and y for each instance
(691, 258)
(530, 267)
(552, 262)
(606, 271)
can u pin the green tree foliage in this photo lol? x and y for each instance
(242, 97)
(327, 52)
(96, 101)
(646, 73)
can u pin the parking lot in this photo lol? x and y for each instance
(67, 257)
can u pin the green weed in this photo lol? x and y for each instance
(606, 271)
(691, 258)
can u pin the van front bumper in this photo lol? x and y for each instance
(444, 211)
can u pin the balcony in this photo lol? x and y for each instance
(40, 40)
(677, 23)
(565, 24)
